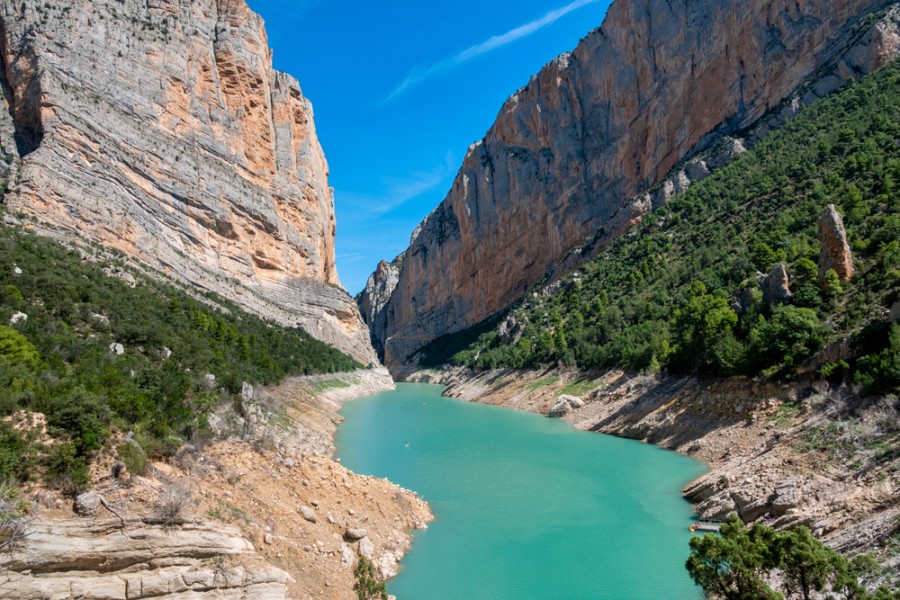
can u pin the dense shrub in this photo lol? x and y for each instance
(96, 355)
(742, 563)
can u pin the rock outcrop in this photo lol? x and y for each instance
(374, 298)
(160, 129)
(834, 251)
(776, 286)
(564, 405)
(579, 152)
(113, 559)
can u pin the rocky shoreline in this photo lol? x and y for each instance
(261, 512)
(783, 454)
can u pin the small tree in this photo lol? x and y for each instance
(806, 562)
(367, 585)
(731, 565)
(831, 285)
(735, 565)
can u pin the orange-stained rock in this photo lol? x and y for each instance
(578, 153)
(159, 128)
(834, 250)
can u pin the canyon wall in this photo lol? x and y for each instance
(160, 129)
(580, 151)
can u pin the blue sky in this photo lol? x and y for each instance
(400, 91)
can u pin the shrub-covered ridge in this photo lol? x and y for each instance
(666, 295)
(94, 353)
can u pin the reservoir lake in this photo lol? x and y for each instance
(526, 507)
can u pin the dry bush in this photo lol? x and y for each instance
(13, 516)
(173, 507)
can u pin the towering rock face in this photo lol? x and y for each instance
(159, 128)
(374, 298)
(575, 152)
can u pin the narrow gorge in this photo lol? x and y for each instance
(636, 196)
(684, 232)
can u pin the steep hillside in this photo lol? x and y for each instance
(159, 128)
(746, 323)
(687, 290)
(97, 349)
(197, 429)
(576, 153)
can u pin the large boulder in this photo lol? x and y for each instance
(86, 504)
(787, 496)
(564, 405)
(776, 286)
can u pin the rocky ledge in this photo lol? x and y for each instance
(127, 559)
(261, 514)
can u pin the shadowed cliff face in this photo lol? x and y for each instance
(159, 128)
(573, 154)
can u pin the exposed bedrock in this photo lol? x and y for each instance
(160, 129)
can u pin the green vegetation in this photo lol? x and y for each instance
(665, 296)
(96, 355)
(579, 387)
(329, 384)
(14, 513)
(737, 564)
(367, 585)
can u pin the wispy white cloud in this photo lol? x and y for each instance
(397, 191)
(352, 257)
(300, 7)
(422, 73)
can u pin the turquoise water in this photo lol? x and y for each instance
(526, 507)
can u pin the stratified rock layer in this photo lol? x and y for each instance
(112, 559)
(574, 154)
(159, 128)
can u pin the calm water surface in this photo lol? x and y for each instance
(526, 507)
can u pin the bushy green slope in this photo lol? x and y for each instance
(63, 361)
(662, 296)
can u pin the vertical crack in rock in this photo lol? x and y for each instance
(22, 93)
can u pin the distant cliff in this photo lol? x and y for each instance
(159, 128)
(582, 151)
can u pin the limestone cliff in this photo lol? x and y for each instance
(582, 151)
(377, 293)
(159, 128)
